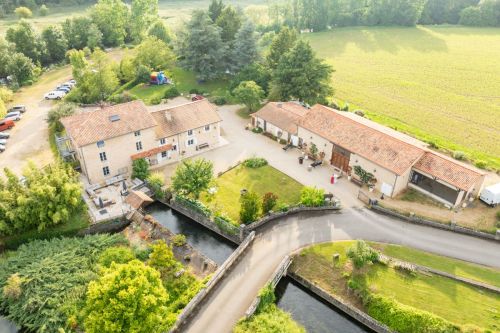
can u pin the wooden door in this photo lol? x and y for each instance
(340, 161)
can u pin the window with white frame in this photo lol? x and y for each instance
(207, 128)
(137, 133)
(163, 141)
(100, 144)
(138, 145)
(190, 142)
(190, 132)
(164, 154)
(105, 171)
(174, 147)
(102, 156)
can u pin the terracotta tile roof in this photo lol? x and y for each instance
(151, 152)
(448, 170)
(283, 115)
(89, 127)
(137, 199)
(380, 148)
(185, 117)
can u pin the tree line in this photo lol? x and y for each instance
(24, 52)
(320, 15)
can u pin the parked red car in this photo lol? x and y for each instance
(6, 124)
(197, 98)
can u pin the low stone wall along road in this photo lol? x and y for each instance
(232, 297)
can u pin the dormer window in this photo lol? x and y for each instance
(163, 141)
(137, 133)
(190, 132)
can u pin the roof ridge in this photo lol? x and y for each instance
(370, 128)
(168, 108)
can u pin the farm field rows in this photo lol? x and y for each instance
(440, 84)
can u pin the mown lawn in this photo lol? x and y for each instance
(260, 180)
(451, 300)
(439, 83)
(148, 93)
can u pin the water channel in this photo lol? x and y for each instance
(315, 315)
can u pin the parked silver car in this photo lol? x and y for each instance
(16, 116)
(4, 135)
(18, 108)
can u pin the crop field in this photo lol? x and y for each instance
(440, 84)
(172, 11)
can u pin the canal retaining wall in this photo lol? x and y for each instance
(196, 302)
(351, 311)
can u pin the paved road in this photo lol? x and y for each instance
(233, 296)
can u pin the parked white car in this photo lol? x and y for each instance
(3, 142)
(4, 135)
(2, 148)
(55, 94)
(13, 116)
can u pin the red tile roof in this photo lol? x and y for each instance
(92, 126)
(151, 152)
(447, 170)
(284, 115)
(185, 117)
(380, 148)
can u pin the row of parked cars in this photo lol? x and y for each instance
(61, 90)
(14, 114)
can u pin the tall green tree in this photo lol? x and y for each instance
(301, 75)
(126, 298)
(56, 44)
(280, 45)
(21, 68)
(201, 47)
(215, 9)
(26, 40)
(79, 64)
(111, 17)
(230, 22)
(81, 32)
(256, 72)
(250, 94)
(192, 177)
(154, 54)
(6, 50)
(245, 50)
(142, 14)
(159, 30)
(140, 169)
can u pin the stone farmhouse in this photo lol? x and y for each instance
(346, 140)
(107, 141)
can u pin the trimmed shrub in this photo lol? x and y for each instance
(480, 164)
(23, 12)
(283, 207)
(459, 155)
(312, 197)
(193, 204)
(179, 240)
(361, 254)
(219, 100)
(267, 297)
(196, 91)
(255, 162)
(226, 224)
(406, 319)
(156, 182)
(269, 200)
(172, 92)
(257, 130)
(249, 211)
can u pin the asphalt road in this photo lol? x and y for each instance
(229, 301)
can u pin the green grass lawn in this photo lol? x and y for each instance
(454, 301)
(445, 264)
(439, 83)
(149, 93)
(260, 180)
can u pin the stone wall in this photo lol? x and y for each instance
(451, 227)
(195, 303)
(291, 211)
(110, 226)
(351, 311)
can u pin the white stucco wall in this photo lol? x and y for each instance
(321, 143)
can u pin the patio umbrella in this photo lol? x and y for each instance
(101, 203)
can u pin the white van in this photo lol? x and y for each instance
(56, 94)
(491, 195)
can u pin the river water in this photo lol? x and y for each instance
(306, 308)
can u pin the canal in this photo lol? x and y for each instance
(314, 314)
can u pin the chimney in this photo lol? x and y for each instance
(168, 116)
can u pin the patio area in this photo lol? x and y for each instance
(109, 202)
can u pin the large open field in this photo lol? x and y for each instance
(440, 84)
